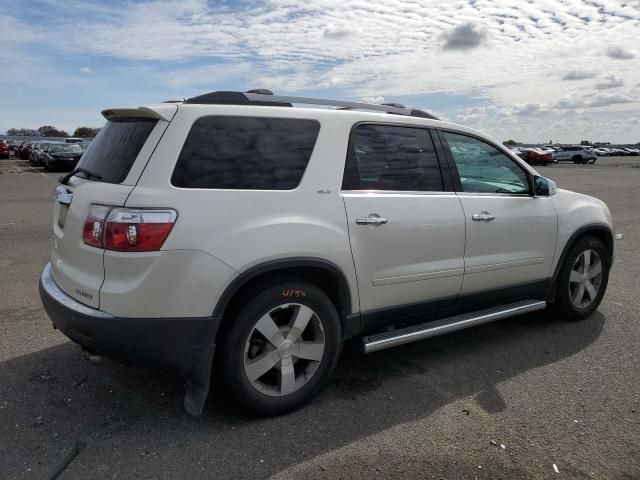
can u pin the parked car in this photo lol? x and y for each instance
(601, 152)
(575, 154)
(617, 152)
(25, 150)
(35, 152)
(74, 140)
(61, 154)
(236, 228)
(631, 151)
(537, 156)
(12, 144)
(4, 149)
(38, 158)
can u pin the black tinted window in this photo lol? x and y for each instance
(115, 148)
(245, 153)
(382, 157)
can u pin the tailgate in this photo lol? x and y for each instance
(115, 158)
(78, 268)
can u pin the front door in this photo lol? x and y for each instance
(511, 235)
(407, 233)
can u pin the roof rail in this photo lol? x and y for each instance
(265, 97)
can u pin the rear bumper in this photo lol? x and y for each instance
(182, 345)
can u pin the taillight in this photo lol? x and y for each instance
(93, 231)
(128, 229)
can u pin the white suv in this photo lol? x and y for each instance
(239, 230)
(575, 154)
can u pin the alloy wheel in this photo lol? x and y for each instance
(284, 349)
(585, 279)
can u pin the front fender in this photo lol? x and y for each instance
(579, 214)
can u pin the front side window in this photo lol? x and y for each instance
(485, 169)
(385, 157)
(251, 153)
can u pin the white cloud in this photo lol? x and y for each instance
(528, 50)
(578, 75)
(379, 99)
(611, 81)
(590, 100)
(464, 37)
(87, 70)
(619, 53)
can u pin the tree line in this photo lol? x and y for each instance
(51, 131)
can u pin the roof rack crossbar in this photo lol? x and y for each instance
(259, 98)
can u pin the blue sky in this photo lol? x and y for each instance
(562, 70)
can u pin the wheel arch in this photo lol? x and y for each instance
(323, 273)
(601, 231)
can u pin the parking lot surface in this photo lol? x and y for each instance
(529, 397)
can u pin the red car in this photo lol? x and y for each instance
(4, 149)
(538, 156)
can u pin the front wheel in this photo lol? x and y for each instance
(281, 348)
(583, 278)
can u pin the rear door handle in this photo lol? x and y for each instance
(372, 219)
(483, 216)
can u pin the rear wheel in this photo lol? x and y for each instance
(583, 278)
(281, 348)
(577, 158)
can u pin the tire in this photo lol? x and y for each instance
(569, 301)
(247, 353)
(577, 159)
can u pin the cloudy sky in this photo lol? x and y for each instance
(561, 70)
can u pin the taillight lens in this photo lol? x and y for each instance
(127, 229)
(93, 231)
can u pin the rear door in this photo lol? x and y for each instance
(406, 228)
(117, 155)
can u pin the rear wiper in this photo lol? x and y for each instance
(89, 175)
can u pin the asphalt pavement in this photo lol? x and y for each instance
(529, 397)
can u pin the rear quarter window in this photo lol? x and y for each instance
(251, 153)
(112, 153)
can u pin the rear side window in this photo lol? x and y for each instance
(383, 157)
(112, 153)
(251, 153)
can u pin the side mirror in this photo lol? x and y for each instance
(544, 187)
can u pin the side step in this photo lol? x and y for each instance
(393, 338)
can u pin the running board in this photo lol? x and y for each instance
(393, 338)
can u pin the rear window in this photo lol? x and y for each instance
(251, 153)
(115, 148)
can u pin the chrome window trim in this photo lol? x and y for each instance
(496, 194)
(399, 192)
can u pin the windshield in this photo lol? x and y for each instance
(66, 149)
(112, 153)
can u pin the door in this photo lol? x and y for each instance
(406, 231)
(511, 234)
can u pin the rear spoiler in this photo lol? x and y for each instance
(164, 112)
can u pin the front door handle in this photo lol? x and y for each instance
(483, 216)
(372, 219)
